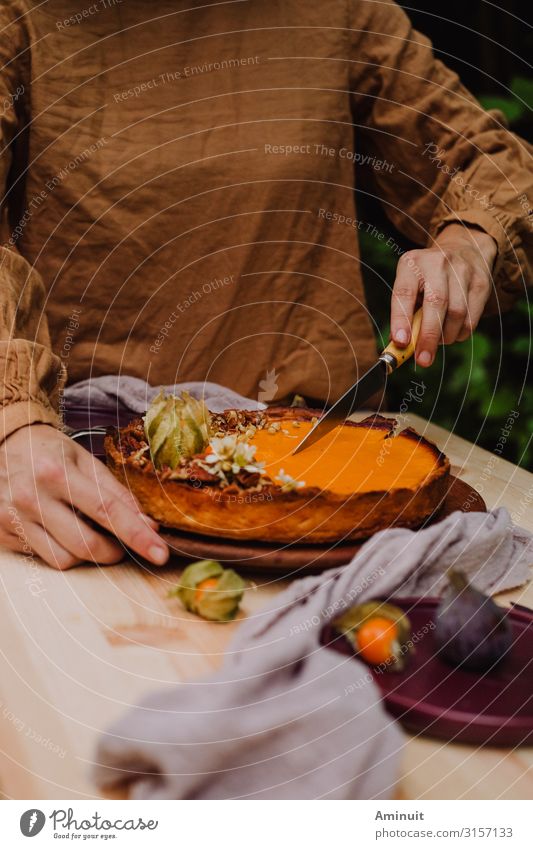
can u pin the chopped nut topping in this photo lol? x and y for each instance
(138, 455)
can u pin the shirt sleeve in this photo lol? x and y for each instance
(32, 377)
(442, 158)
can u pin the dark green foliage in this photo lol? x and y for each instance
(518, 105)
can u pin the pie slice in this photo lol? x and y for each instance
(360, 478)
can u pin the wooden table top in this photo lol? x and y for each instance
(78, 647)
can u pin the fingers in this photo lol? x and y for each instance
(404, 295)
(455, 290)
(77, 537)
(90, 466)
(458, 285)
(36, 541)
(101, 504)
(478, 294)
(434, 309)
(47, 478)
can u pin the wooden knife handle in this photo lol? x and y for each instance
(393, 356)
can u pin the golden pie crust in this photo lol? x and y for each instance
(360, 479)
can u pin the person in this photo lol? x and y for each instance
(180, 204)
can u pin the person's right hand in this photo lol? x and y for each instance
(49, 485)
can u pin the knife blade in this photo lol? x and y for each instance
(372, 381)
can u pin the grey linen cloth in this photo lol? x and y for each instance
(286, 717)
(135, 394)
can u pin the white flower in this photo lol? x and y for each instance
(228, 454)
(288, 482)
(244, 458)
(222, 449)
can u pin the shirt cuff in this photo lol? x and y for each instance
(31, 382)
(23, 413)
(506, 273)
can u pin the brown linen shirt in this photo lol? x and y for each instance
(179, 188)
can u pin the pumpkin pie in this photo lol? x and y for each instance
(247, 484)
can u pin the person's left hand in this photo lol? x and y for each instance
(453, 279)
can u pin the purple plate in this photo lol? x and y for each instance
(435, 699)
(81, 418)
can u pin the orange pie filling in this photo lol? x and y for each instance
(346, 460)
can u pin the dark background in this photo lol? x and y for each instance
(473, 387)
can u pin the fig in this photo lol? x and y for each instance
(471, 630)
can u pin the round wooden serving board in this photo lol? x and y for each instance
(287, 559)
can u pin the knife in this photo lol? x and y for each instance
(372, 381)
